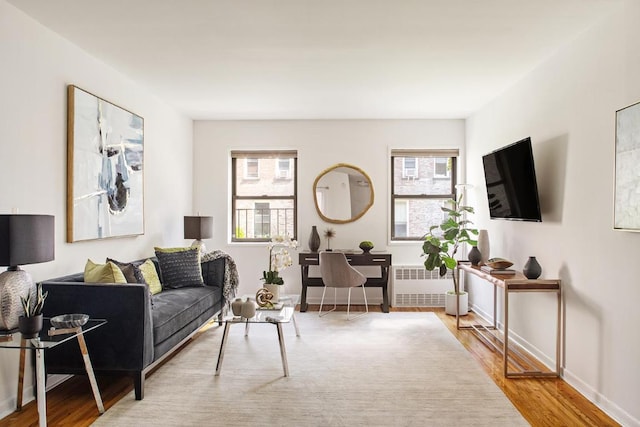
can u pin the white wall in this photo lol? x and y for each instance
(568, 107)
(36, 67)
(320, 144)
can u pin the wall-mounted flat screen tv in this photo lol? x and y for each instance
(510, 177)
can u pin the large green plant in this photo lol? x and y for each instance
(443, 241)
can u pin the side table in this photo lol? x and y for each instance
(50, 337)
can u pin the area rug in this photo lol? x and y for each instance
(382, 369)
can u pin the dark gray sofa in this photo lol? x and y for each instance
(141, 329)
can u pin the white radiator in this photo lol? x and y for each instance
(415, 286)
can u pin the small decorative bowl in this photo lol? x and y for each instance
(65, 321)
(499, 263)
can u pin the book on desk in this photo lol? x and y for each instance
(504, 271)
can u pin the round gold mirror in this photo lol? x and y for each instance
(342, 193)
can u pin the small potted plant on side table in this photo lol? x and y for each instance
(30, 324)
(441, 245)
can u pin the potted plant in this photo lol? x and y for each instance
(30, 323)
(279, 259)
(366, 246)
(441, 245)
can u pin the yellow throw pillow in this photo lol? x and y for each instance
(103, 273)
(148, 270)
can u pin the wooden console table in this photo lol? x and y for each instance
(488, 333)
(383, 260)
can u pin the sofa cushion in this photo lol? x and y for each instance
(103, 273)
(150, 276)
(173, 309)
(140, 271)
(180, 267)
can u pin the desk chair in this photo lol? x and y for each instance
(337, 273)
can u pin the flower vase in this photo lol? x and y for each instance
(275, 290)
(474, 255)
(236, 307)
(248, 309)
(532, 269)
(483, 246)
(314, 239)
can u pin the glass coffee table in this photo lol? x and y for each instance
(275, 317)
(50, 337)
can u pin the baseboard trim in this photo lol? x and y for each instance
(607, 406)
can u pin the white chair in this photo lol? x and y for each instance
(337, 273)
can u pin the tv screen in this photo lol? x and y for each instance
(510, 177)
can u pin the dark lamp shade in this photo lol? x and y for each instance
(198, 227)
(26, 239)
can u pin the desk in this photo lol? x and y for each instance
(50, 337)
(383, 260)
(512, 284)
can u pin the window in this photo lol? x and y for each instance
(263, 195)
(442, 167)
(251, 169)
(416, 199)
(409, 167)
(283, 170)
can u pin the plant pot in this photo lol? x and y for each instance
(450, 303)
(30, 327)
(275, 290)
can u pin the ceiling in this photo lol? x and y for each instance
(321, 59)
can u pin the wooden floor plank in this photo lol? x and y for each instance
(542, 401)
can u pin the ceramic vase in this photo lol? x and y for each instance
(275, 290)
(314, 239)
(483, 246)
(474, 255)
(30, 327)
(532, 269)
(236, 307)
(248, 309)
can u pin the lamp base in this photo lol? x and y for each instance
(199, 244)
(13, 285)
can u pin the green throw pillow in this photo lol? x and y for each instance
(140, 272)
(103, 273)
(180, 267)
(148, 271)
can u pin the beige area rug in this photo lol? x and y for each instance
(395, 369)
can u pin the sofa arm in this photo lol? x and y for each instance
(124, 343)
(213, 272)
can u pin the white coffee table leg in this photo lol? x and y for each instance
(295, 324)
(225, 335)
(283, 350)
(40, 384)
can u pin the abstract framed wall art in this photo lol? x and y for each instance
(626, 213)
(105, 157)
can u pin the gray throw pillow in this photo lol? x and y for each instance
(180, 267)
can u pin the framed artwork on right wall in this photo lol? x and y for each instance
(626, 212)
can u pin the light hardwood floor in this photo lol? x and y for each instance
(542, 401)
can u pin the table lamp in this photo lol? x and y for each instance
(198, 228)
(24, 239)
